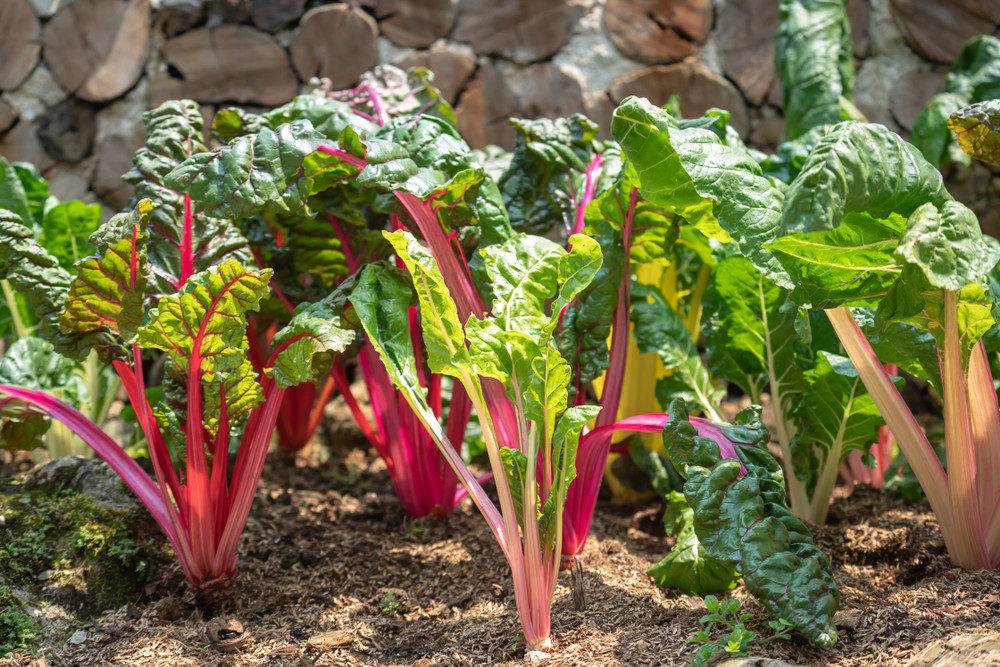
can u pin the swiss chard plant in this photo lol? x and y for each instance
(311, 207)
(531, 280)
(739, 522)
(158, 285)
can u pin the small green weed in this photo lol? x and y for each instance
(17, 630)
(735, 643)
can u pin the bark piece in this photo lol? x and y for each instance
(911, 93)
(657, 31)
(483, 110)
(21, 144)
(114, 158)
(745, 34)
(66, 130)
(8, 116)
(227, 63)
(451, 66)
(415, 23)
(19, 45)
(337, 42)
(938, 30)
(272, 15)
(97, 48)
(550, 92)
(522, 30)
(699, 89)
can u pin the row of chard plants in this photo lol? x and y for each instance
(544, 305)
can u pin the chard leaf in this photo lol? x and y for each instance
(66, 228)
(688, 567)
(33, 363)
(659, 329)
(109, 288)
(36, 275)
(14, 195)
(183, 239)
(859, 167)
(837, 414)
(204, 325)
(309, 343)
(21, 427)
(750, 328)
(328, 116)
(547, 175)
(977, 130)
(381, 303)
(974, 77)
(741, 519)
(444, 336)
(274, 171)
(546, 389)
(903, 345)
(815, 62)
(693, 173)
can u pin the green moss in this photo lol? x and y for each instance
(17, 630)
(66, 531)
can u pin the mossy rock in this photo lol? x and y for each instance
(73, 536)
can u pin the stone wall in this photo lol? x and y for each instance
(75, 75)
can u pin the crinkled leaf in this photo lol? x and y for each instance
(109, 288)
(695, 174)
(328, 116)
(183, 238)
(33, 363)
(742, 520)
(443, 332)
(313, 338)
(859, 167)
(205, 322)
(37, 276)
(688, 567)
(815, 62)
(977, 130)
(903, 345)
(14, 191)
(547, 173)
(273, 170)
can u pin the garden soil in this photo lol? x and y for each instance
(333, 573)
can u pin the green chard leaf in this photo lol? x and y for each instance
(564, 443)
(694, 173)
(548, 171)
(977, 130)
(815, 62)
(66, 228)
(109, 288)
(309, 343)
(659, 329)
(750, 328)
(688, 567)
(838, 416)
(205, 323)
(741, 519)
(183, 238)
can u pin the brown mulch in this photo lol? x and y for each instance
(334, 573)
